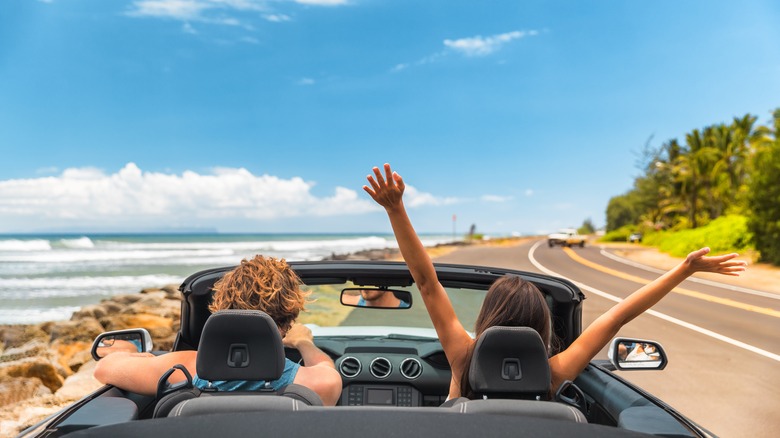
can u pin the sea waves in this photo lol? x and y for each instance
(47, 277)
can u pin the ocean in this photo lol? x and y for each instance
(48, 277)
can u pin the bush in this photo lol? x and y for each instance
(619, 235)
(723, 235)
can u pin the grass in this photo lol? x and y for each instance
(723, 235)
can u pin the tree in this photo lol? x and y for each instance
(764, 194)
(621, 211)
(587, 227)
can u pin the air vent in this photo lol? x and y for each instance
(411, 368)
(380, 367)
(350, 367)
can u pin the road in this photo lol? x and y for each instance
(723, 344)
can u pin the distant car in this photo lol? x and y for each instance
(566, 237)
(635, 238)
(393, 367)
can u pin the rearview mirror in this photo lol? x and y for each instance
(376, 298)
(136, 340)
(637, 354)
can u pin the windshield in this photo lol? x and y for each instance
(325, 309)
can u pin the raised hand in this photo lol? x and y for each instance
(724, 264)
(387, 191)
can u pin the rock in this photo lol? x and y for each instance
(34, 348)
(172, 290)
(18, 335)
(16, 389)
(79, 384)
(73, 355)
(83, 330)
(111, 307)
(124, 300)
(41, 368)
(92, 311)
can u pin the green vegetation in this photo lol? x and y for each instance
(587, 227)
(702, 192)
(724, 234)
(619, 235)
(764, 199)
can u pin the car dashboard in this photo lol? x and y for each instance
(393, 370)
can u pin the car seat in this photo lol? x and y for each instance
(510, 374)
(238, 345)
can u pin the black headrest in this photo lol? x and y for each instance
(510, 362)
(240, 345)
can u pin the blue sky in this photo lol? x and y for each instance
(265, 116)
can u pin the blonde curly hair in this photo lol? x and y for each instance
(262, 283)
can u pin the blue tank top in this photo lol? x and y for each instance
(287, 377)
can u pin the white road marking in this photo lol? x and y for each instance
(673, 320)
(759, 293)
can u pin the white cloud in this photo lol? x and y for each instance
(306, 81)
(481, 46)
(415, 198)
(131, 197)
(529, 192)
(177, 9)
(473, 46)
(187, 28)
(207, 10)
(277, 18)
(496, 198)
(323, 2)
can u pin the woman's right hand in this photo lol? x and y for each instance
(387, 191)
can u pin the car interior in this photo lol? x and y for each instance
(386, 373)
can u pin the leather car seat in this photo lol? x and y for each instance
(238, 345)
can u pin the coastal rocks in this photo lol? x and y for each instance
(368, 254)
(83, 330)
(40, 369)
(16, 389)
(44, 367)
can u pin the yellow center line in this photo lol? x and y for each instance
(693, 294)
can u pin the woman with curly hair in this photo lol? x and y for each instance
(261, 283)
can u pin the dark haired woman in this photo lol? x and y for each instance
(511, 301)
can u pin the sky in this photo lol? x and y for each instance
(266, 115)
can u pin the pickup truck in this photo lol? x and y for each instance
(566, 237)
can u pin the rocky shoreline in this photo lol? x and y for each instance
(45, 367)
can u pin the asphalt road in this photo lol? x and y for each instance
(723, 344)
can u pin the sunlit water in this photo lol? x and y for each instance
(45, 278)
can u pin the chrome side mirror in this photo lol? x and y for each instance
(377, 298)
(637, 354)
(137, 340)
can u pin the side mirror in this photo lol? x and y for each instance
(136, 340)
(637, 354)
(376, 298)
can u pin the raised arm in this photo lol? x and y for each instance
(569, 363)
(388, 191)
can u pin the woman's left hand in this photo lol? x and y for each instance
(724, 264)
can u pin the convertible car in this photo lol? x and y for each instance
(395, 374)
